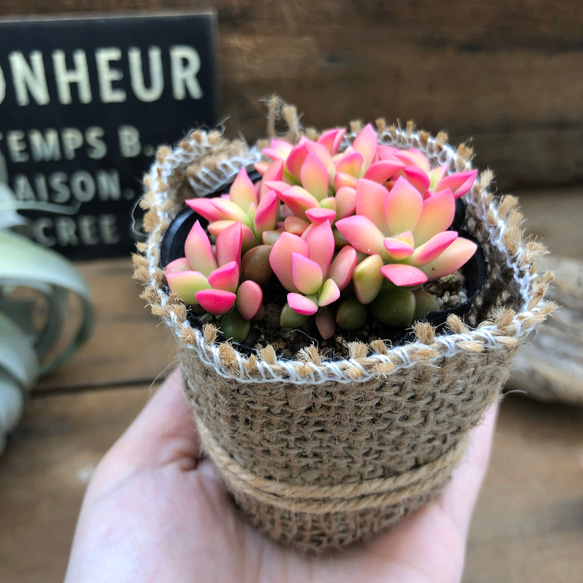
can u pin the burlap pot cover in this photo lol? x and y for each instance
(319, 453)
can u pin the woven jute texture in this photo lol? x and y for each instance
(320, 453)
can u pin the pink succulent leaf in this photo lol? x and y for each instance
(307, 231)
(280, 258)
(280, 145)
(437, 215)
(367, 279)
(262, 167)
(454, 257)
(382, 170)
(248, 239)
(351, 164)
(433, 248)
(459, 183)
(230, 210)
(398, 250)
(273, 154)
(342, 180)
(216, 228)
(298, 200)
(314, 176)
(205, 208)
(416, 177)
(436, 175)
(296, 158)
(249, 299)
(278, 150)
(413, 157)
(228, 247)
(295, 225)
(198, 250)
(321, 152)
(403, 275)
(187, 284)
(301, 304)
(277, 185)
(403, 207)
(320, 215)
(274, 173)
(320, 240)
(362, 234)
(225, 277)
(307, 274)
(267, 213)
(326, 323)
(370, 203)
(216, 301)
(329, 293)
(342, 266)
(366, 144)
(178, 265)
(331, 139)
(387, 152)
(345, 202)
(242, 191)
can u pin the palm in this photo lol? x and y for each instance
(152, 514)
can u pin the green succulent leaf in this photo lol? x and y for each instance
(424, 303)
(291, 319)
(351, 314)
(234, 326)
(394, 307)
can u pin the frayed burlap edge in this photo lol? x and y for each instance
(317, 515)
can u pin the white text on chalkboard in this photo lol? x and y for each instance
(27, 77)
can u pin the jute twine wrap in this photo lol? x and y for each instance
(320, 453)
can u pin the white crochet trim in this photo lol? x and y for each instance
(400, 357)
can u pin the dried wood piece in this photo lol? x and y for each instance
(551, 367)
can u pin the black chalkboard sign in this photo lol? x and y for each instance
(83, 104)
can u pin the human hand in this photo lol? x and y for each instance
(154, 512)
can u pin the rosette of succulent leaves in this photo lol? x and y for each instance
(346, 234)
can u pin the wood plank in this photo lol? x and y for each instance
(467, 68)
(129, 345)
(528, 527)
(553, 215)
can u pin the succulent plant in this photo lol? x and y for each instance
(346, 231)
(210, 278)
(34, 282)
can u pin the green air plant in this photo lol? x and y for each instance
(36, 285)
(348, 234)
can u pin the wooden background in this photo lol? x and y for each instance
(510, 74)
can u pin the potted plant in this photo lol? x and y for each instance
(36, 290)
(333, 383)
